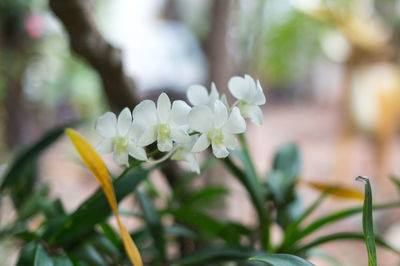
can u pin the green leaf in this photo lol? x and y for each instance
(62, 261)
(15, 171)
(204, 197)
(109, 232)
(337, 216)
(344, 236)
(41, 257)
(89, 254)
(94, 210)
(153, 221)
(252, 186)
(209, 226)
(396, 181)
(178, 230)
(281, 260)
(368, 223)
(287, 159)
(216, 254)
(27, 254)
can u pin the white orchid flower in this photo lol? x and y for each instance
(250, 96)
(216, 128)
(198, 95)
(184, 153)
(120, 137)
(164, 124)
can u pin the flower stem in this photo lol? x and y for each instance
(164, 158)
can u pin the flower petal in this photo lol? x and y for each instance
(137, 152)
(148, 137)
(163, 108)
(238, 87)
(179, 135)
(164, 146)
(135, 132)
(145, 114)
(193, 164)
(197, 95)
(201, 144)
(259, 96)
(105, 146)
(201, 118)
(214, 95)
(219, 151)
(124, 121)
(254, 113)
(120, 158)
(230, 141)
(235, 123)
(179, 112)
(220, 114)
(106, 125)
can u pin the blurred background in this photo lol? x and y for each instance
(329, 68)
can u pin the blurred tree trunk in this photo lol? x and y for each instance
(215, 46)
(14, 45)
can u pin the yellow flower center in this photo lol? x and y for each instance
(120, 144)
(164, 132)
(216, 137)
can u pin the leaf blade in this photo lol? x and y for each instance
(368, 224)
(282, 260)
(99, 170)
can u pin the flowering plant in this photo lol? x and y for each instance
(182, 230)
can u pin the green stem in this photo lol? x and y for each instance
(254, 189)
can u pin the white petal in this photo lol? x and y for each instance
(179, 112)
(193, 164)
(137, 152)
(224, 100)
(145, 113)
(124, 122)
(230, 141)
(106, 125)
(163, 108)
(201, 119)
(197, 95)
(235, 123)
(214, 95)
(251, 84)
(219, 151)
(201, 144)
(164, 146)
(220, 114)
(254, 113)
(179, 135)
(120, 158)
(148, 137)
(106, 146)
(136, 131)
(259, 96)
(238, 87)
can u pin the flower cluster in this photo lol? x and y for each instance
(179, 129)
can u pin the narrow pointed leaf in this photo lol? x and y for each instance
(30, 154)
(153, 221)
(345, 236)
(337, 216)
(216, 254)
(368, 224)
(281, 260)
(41, 257)
(99, 170)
